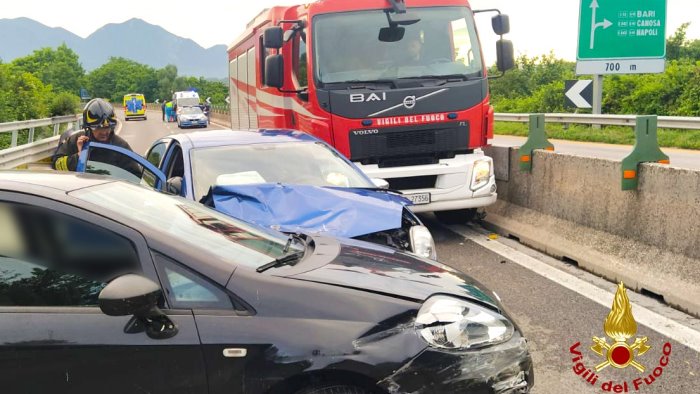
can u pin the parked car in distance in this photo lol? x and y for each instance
(110, 287)
(191, 117)
(134, 106)
(287, 180)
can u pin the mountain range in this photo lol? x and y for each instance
(134, 39)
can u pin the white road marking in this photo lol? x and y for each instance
(661, 324)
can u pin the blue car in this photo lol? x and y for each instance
(191, 117)
(286, 180)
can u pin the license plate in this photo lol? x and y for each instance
(419, 198)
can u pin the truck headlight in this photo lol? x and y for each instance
(422, 243)
(481, 174)
(450, 323)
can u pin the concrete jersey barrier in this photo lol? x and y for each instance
(572, 207)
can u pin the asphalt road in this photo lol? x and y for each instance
(554, 317)
(682, 158)
(140, 134)
(556, 305)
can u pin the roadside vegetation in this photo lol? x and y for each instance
(536, 85)
(47, 83)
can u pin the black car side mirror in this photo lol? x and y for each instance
(138, 296)
(380, 183)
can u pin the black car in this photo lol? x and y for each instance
(106, 286)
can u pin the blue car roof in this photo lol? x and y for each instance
(209, 138)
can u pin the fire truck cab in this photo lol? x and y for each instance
(398, 87)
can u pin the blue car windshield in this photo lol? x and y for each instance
(301, 163)
(189, 223)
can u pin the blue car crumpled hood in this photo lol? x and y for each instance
(342, 212)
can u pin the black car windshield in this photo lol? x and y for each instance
(304, 163)
(443, 42)
(192, 111)
(189, 223)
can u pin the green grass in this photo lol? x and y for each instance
(686, 139)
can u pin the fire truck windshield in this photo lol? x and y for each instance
(443, 43)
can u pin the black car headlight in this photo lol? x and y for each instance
(451, 323)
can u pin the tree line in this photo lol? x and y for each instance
(47, 83)
(537, 84)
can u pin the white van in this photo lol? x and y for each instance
(185, 99)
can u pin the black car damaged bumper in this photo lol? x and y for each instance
(501, 369)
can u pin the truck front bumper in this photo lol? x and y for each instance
(451, 188)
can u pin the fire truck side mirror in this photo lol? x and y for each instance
(505, 60)
(500, 24)
(273, 37)
(274, 71)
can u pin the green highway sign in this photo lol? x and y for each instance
(621, 37)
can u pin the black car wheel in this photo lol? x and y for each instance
(333, 389)
(457, 216)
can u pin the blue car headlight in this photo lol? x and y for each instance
(451, 323)
(422, 243)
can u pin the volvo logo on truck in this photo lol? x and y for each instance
(365, 132)
(409, 102)
(362, 98)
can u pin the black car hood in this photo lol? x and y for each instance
(374, 268)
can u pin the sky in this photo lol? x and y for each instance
(537, 26)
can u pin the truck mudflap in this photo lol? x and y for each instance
(501, 369)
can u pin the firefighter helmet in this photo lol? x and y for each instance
(99, 113)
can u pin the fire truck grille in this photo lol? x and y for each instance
(401, 146)
(413, 182)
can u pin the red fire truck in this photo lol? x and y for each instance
(398, 87)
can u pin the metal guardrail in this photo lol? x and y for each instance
(666, 122)
(220, 109)
(32, 151)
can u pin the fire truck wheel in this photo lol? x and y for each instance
(457, 216)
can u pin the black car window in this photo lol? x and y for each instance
(187, 290)
(51, 259)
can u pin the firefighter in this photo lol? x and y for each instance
(99, 122)
(413, 48)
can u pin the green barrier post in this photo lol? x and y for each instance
(646, 149)
(536, 139)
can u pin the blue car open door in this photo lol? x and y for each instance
(106, 159)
